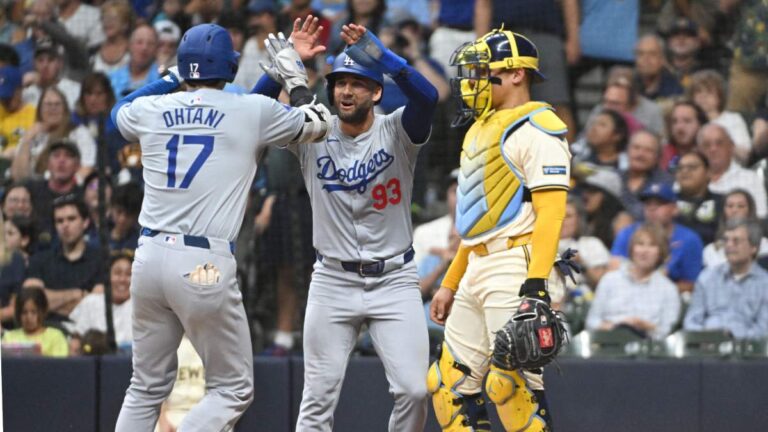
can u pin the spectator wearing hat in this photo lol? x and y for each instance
(655, 80)
(16, 117)
(63, 160)
(168, 36)
(141, 67)
(117, 19)
(643, 154)
(698, 208)
(81, 21)
(684, 46)
(262, 20)
(685, 246)
(685, 120)
(725, 173)
(732, 297)
(49, 72)
(71, 269)
(53, 122)
(601, 193)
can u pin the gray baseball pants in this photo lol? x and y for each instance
(165, 306)
(339, 303)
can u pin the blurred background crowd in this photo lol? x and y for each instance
(668, 123)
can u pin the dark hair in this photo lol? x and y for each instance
(90, 82)
(600, 223)
(27, 228)
(9, 55)
(128, 197)
(71, 200)
(619, 126)
(698, 155)
(377, 16)
(37, 295)
(701, 116)
(16, 185)
(120, 254)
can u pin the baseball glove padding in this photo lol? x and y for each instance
(531, 338)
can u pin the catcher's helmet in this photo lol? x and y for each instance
(344, 64)
(206, 53)
(499, 49)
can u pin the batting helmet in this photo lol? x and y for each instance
(499, 49)
(206, 53)
(344, 64)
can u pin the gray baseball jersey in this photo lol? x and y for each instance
(361, 190)
(193, 140)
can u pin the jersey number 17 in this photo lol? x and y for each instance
(173, 148)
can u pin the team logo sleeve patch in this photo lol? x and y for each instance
(554, 170)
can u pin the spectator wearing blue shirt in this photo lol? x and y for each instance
(685, 246)
(141, 68)
(733, 296)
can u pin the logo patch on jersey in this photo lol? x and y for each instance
(171, 240)
(355, 177)
(193, 71)
(554, 170)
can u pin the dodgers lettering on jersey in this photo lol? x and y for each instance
(199, 152)
(360, 190)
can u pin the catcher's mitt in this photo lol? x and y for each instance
(531, 338)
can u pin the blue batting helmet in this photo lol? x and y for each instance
(344, 64)
(206, 53)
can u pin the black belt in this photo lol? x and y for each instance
(371, 269)
(189, 240)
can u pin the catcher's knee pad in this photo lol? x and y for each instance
(455, 412)
(517, 405)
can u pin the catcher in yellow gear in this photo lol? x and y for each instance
(495, 299)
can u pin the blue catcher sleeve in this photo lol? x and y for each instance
(422, 101)
(164, 85)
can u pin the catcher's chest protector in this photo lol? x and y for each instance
(490, 192)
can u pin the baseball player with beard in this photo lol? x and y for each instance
(359, 180)
(199, 151)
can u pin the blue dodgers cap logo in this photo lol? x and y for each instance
(661, 191)
(554, 170)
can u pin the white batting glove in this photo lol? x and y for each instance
(175, 72)
(286, 61)
(206, 274)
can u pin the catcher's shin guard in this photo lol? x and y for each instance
(455, 412)
(518, 406)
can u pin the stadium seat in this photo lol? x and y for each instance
(698, 344)
(608, 343)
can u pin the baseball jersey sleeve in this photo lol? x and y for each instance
(543, 160)
(128, 118)
(280, 124)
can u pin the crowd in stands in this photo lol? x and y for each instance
(667, 207)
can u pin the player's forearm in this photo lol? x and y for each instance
(457, 269)
(422, 101)
(549, 206)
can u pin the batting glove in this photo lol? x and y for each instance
(286, 61)
(174, 75)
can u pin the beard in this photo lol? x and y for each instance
(358, 116)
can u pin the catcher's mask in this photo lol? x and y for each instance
(499, 49)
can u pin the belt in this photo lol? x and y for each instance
(189, 240)
(500, 244)
(375, 268)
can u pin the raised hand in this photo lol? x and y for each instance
(305, 36)
(351, 33)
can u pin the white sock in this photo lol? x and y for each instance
(284, 339)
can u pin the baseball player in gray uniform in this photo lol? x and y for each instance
(359, 180)
(199, 150)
